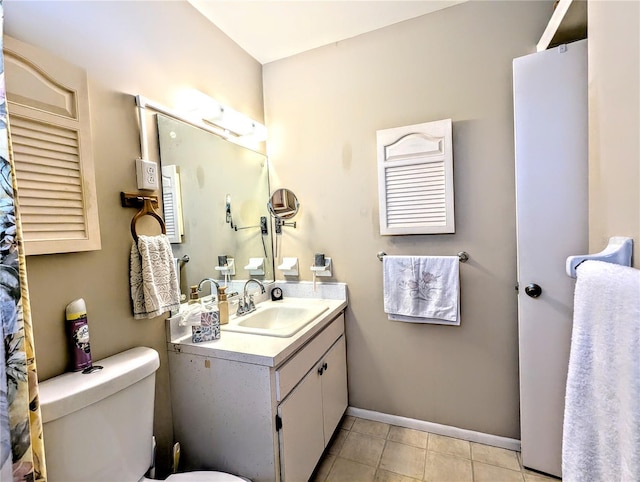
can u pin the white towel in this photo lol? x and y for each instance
(154, 284)
(422, 289)
(601, 437)
(192, 315)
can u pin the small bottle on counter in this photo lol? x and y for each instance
(223, 305)
(194, 297)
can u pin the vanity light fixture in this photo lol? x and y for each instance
(203, 108)
(189, 112)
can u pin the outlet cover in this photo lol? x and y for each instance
(147, 174)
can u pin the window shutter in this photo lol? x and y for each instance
(415, 179)
(171, 203)
(48, 105)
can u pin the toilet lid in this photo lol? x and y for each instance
(203, 476)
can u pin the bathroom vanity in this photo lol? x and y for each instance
(263, 407)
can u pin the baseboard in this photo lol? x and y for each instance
(446, 430)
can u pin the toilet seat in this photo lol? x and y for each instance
(200, 476)
(204, 476)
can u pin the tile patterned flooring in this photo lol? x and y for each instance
(367, 451)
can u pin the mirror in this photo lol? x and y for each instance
(224, 191)
(283, 204)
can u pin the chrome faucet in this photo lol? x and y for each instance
(246, 304)
(214, 293)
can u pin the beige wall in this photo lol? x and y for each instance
(128, 48)
(323, 108)
(614, 122)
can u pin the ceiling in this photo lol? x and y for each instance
(272, 30)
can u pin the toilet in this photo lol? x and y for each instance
(99, 426)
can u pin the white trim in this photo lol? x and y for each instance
(553, 26)
(446, 430)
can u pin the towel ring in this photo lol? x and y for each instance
(147, 210)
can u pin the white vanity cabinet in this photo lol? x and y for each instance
(260, 420)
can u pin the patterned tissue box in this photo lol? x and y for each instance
(209, 328)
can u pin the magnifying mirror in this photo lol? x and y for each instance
(283, 204)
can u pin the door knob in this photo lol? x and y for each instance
(533, 290)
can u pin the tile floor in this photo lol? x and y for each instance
(367, 451)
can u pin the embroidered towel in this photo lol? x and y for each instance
(154, 284)
(422, 289)
(601, 435)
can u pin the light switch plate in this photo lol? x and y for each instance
(147, 174)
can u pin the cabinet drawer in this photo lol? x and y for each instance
(292, 371)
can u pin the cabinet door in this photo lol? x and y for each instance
(301, 435)
(334, 387)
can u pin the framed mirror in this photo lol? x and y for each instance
(223, 189)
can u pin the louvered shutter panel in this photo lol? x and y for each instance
(415, 179)
(48, 107)
(171, 203)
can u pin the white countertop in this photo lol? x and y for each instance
(258, 349)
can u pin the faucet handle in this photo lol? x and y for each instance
(251, 305)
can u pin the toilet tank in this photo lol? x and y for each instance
(99, 426)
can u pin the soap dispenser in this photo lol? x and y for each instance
(223, 305)
(194, 297)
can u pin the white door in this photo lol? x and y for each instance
(550, 104)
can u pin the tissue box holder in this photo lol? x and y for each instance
(209, 328)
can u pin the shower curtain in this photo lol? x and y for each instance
(21, 446)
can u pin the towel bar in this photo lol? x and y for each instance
(462, 255)
(618, 251)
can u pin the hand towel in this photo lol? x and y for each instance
(154, 284)
(601, 436)
(422, 289)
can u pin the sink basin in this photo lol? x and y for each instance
(277, 320)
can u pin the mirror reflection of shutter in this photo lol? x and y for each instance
(171, 203)
(48, 106)
(415, 179)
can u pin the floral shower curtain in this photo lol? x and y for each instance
(21, 445)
